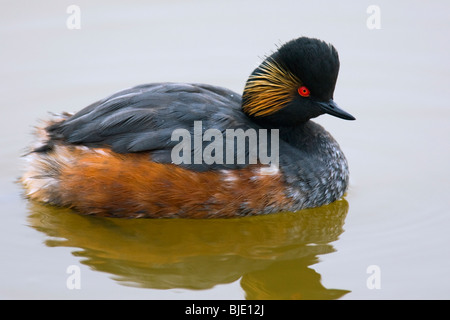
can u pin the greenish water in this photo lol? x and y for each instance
(394, 219)
(270, 256)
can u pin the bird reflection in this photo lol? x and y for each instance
(271, 254)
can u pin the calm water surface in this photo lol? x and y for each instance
(394, 219)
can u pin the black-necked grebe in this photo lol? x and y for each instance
(154, 151)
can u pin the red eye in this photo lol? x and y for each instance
(303, 91)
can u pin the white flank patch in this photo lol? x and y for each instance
(229, 176)
(269, 171)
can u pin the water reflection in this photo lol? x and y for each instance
(271, 254)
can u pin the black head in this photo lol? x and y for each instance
(294, 84)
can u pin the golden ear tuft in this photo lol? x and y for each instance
(269, 89)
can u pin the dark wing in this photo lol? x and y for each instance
(143, 119)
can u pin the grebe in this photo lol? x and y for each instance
(115, 158)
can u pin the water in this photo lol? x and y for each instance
(395, 217)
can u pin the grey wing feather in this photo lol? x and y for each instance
(143, 118)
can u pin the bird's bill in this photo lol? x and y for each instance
(333, 109)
